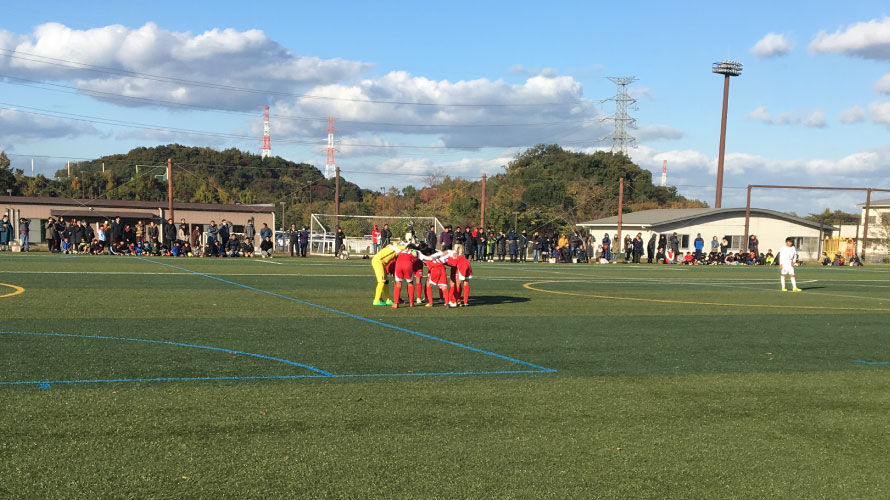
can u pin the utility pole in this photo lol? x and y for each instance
(337, 193)
(515, 222)
(482, 212)
(169, 188)
(865, 225)
(727, 69)
(309, 188)
(617, 243)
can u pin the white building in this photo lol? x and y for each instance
(770, 227)
(878, 227)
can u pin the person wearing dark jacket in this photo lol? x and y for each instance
(266, 247)
(675, 246)
(385, 236)
(129, 236)
(293, 241)
(153, 232)
(662, 242)
(513, 245)
(502, 245)
(339, 238)
(169, 233)
(638, 248)
(430, 237)
(304, 241)
(469, 243)
(233, 247)
(650, 248)
(523, 246)
(481, 245)
(117, 230)
(223, 234)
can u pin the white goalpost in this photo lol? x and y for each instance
(358, 231)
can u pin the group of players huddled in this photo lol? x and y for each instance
(404, 262)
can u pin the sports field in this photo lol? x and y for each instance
(125, 377)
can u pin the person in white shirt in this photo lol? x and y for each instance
(786, 259)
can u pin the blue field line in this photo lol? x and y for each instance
(46, 384)
(361, 318)
(871, 362)
(177, 344)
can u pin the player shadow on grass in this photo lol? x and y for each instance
(486, 300)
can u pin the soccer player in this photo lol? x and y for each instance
(405, 271)
(378, 264)
(786, 258)
(436, 277)
(461, 273)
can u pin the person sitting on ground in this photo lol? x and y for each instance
(825, 260)
(176, 251)
(95, 247)
(688, 259)
(343, 254)
(838, 260)
(247, 247)
(855, 262)
(187, 250)
(770, 258)
(660, 257)
(266, 247)
(233, 247)
(83, 246)
(66, 246)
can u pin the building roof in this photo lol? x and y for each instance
(673, 215)
(86, 203)
(877, 203)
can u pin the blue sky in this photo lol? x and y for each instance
(810, 107)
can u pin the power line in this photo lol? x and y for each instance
(158, 78)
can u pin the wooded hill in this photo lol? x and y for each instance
(550, 187)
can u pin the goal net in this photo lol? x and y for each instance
(358, 231)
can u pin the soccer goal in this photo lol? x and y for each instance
(358, 231)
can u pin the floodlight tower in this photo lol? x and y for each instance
(620, 138)
(727, 69)
(329, 166)
(664, 173)
(266, 150)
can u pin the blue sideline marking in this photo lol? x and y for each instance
(361, 318)
(871, 362)
(177, 344)
(46, 384)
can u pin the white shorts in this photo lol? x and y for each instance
(787, 270)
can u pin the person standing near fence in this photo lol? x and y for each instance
(523, 246)
(375, 240)
(339, 238)
(385, 236)
(304, 241)
(446, 238)
(430, 237)
(650, 248)
(293, 241)
(249, 230)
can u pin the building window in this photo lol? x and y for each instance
(684, 240)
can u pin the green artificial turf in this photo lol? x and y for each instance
(628, 382)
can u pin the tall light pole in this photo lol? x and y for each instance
(727, 69)
(282, 214)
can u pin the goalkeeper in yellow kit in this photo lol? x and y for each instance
(379, 263)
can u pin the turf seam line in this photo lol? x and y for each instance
(177, 344)
(265, 377)
(362, 318)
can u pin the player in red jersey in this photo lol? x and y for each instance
(436, 277)
(405, 271)
(461, 273)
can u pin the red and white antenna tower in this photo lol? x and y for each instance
(266, 149)
(329, 166)
(664, 174)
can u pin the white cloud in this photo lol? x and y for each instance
(883, 84)
(869, 40)
(880, 113)
(510, 115)
(816, 119)
(797, 117)
(226, 57)
(772, 45)
(19, 127)
(851, 115)
(656, 132)
(760, 114)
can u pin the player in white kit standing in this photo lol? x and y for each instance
(786, 259)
